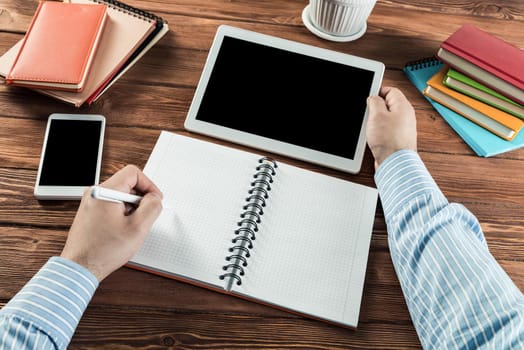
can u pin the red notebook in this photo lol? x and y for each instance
(487, 59)
(59, 46)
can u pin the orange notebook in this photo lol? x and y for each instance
(495, 120)
(58, 48)
(128, 34)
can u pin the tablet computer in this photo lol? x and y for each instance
(285, 97)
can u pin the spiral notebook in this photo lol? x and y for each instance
(266, 231)
(480, 140)
(129, 33)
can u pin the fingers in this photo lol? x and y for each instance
(384, 90)
(391, 101)
(143, 184)
(394, 98)
(148, 211)
(376, 105)
(123, 180)
(131, 178)
(385, 101)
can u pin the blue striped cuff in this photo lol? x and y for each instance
(55, 299)
(402, 177)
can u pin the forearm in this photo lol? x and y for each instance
(456, 292)
(45, 313)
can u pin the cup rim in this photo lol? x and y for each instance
(309, 24)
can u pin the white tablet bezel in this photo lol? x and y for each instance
(265, 143)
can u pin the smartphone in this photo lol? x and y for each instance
(71, 155)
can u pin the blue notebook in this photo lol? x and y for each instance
(482, 141)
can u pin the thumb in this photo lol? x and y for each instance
(376, 104)
(148, 211)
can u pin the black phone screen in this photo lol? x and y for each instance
(71, 153)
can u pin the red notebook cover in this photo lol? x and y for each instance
(488, 52)
(58, 48)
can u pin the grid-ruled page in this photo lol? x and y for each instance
(206, 184)
(312, 247)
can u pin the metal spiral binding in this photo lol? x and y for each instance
(249, 222)
(423, 63)
(120, 6)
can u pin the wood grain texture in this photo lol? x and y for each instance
(137, 310)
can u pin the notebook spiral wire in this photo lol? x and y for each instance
(120, 6)
(423, 63)
(248, 222)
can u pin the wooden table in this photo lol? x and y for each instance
(134, 309)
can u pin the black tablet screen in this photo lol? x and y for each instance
(286, 96)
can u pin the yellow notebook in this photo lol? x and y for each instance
(495, 120)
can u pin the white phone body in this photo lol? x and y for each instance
(71, 155)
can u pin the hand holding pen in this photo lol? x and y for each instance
(110, 195)
(104, 237)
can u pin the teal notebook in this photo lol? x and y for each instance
(482, 142)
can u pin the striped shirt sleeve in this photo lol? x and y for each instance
(458, 296)
(46, 311)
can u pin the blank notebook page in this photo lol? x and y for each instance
(205, 187)
(310, 252)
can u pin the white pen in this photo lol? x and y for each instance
(110, 195)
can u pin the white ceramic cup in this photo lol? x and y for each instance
(340, 18)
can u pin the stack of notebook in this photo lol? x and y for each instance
(92, 46)
(476, 89)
